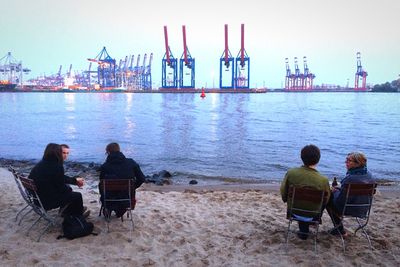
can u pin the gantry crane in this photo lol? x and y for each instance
(361, 74)
(106, 68)
(11, 70)
(169, 77)
(242, 73)
(226, 73)
(186, 66)
(308, 76)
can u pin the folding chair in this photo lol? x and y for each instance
(297, 197)
(25, 196)
(37, 206)
(358, 203)
(117, 191)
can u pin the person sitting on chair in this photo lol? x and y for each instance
(50, 181)
(117, 166)
(356, 165)
(305, 176)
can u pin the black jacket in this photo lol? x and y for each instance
(50, 181)
(117, 166)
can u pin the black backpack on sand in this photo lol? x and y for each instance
(76, 226)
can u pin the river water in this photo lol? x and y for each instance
(250, 137)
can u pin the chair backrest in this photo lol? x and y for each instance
(306, 201)
(118, 190)
(358, 201)
(31, 191)
(21, 189)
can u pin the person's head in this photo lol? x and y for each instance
(53, 152)
(65, 151)
(310, 155)
(112, 147)
(356, 160)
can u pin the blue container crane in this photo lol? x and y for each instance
(186, 66)
(242, 73)
(105, 69)
(169, 73)
(227, 61)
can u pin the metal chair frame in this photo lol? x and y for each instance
(113, 186)
(37, 206)
(311, 195)
(28, 200)
(358, 189)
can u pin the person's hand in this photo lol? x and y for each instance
(334, 189)
(80, 182)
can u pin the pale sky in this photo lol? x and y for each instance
(45, 34)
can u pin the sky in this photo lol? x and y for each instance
(45, 34)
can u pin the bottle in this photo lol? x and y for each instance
(334, 182)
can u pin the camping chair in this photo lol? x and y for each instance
(25, 196)
(37, 206)
(117, 191)
(301, 194)
(358, 196)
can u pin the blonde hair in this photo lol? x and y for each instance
(358, 157)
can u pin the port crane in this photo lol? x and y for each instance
(11, 70)
(106, 68)
(186, 65)
(242, 73)
(361, 75)
(226, 66)
(169, 73)
(146, 76)
(308, 76)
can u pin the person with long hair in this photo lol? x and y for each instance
(50, 181)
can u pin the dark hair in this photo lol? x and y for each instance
(53, 152)
(64, 146)
(310, 155)
(112, 147)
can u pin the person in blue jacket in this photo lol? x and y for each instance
(357, 172)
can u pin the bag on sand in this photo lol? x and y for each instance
(76, 226)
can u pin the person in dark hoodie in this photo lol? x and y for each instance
(51, 183)
(117, 166)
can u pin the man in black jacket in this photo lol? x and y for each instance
(117, 166)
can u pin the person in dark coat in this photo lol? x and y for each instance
(50, 181)
(117, 166)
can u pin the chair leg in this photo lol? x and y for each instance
(19, 212)
(23, 216)
(33, 225)
(287, 234)
(362, 227)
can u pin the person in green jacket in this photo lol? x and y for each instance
(306, 175)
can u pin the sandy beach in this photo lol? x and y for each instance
(197, 226)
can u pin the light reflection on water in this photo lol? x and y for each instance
(254, 136)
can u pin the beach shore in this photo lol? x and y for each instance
(225, 225)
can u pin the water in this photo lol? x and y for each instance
(253, 137)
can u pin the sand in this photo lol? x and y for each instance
(197, 226)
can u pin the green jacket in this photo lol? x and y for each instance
(304, 176)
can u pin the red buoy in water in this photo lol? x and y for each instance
(203, 94)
